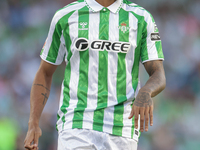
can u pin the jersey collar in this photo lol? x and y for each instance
(92, 4)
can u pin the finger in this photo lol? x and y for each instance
(151, 115)
(132, 113)
(136, 116)
(141, 119)
(35, 147)
(146, 118)
(36, 139)
(28, 141)
(29, 147)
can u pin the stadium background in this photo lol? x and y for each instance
(24, 26)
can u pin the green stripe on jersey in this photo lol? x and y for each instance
(66, 95)
(127, 2)
(103, 73)
(135, 70)
(67, 75)
(144, 50)
(157, 43)
(41, 51)
(58, 117)
(159, 49)
(121, 76)
(133, 123)
(56, 34)
(83, 72)
(55, 45)
(66, 35)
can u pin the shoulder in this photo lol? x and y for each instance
(71, 6)
(74, 4)
(136, 9)
(68, 10)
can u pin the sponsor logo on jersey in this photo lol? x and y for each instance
(123, 27)
(83, 44)
(155, 37)
(83, 26)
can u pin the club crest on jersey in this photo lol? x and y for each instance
(123, 27)
(83, 26)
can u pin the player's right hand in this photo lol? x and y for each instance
(32, 137)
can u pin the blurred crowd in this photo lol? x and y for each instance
(24, 25)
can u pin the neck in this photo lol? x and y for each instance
(105, 3)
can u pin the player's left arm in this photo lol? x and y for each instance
(157, 80)
(143, 103)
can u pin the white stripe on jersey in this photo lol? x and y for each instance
(74, 77)
(131, 56)
(93, 69)
(130, 93)
(54, 21)
(126, 130)
(151, 48)
(62, 50)
(151, 44)
(136, 136)
(60, 113)
(112, 75)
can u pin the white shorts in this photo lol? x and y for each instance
(84, 139)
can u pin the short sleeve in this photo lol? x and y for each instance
(151, 47)
(54, 49)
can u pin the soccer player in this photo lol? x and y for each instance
(101, 104)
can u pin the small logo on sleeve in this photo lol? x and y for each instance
(155, 27)
(155, 37)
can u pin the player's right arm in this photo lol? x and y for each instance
(38, 97)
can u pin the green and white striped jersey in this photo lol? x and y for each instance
(102, 48)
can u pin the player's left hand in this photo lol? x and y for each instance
(143, 106)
